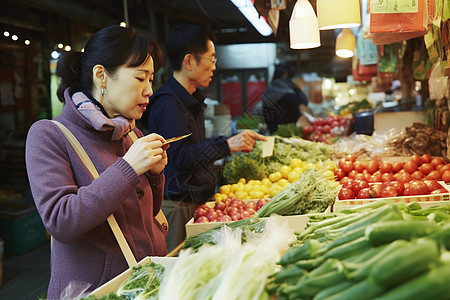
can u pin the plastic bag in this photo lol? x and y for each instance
(438, 83)
(75, 290)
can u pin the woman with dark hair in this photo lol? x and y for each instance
(104, 90)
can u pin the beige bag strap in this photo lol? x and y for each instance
(160, 217)
(131, 260)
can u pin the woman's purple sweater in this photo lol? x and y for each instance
(74, 207)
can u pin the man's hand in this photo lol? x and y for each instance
(244, 141)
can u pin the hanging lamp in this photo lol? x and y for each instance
(338, 14)
(345, 43)
(303, 26)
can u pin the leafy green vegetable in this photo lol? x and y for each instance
(143, 282)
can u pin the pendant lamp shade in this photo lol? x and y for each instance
(345, 43)
(338, 14)
(303, 26)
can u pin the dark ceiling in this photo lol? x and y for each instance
(48, 19)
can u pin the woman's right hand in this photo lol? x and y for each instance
(146, 153)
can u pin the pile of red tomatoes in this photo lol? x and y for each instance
(322, 129)
(417, 176)
(229, 209)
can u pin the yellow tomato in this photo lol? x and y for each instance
(266, 182)
(330, 165)
(309, 166)
(293, 176)
(329, 174)
(217, 197)
(285, 170)
(256, 194)
(296, 163)
(225, 189)
(243, 180)
(241, 195)
(274, 177)
(274, 189)
(234, 187)
(248, 188)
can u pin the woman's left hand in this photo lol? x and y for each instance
(157, 168)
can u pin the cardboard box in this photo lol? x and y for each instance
(423, 200)
(113, 284)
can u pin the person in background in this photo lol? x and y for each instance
(104, 90)
(282, 98)
(177, 109)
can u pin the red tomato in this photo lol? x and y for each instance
(398, 166)
(404, 177)
(347, 166)
(388, 191)
(220, 205)
(251, 211)
(225, 218)
(364, 194)
(199, 212)
(426, 158)
(426, 168)
(372, 166)
(346, 193)
(350, 157)
(415, 187)
(347, 182)
(387, 177)
(245, 214)
(445, 176)
(417, 175)
(439, 191)
(375, 190)
(352, 174)
(386, 167)
(202, 219)
(250, 204)
(358, 166)
(339, 173)
(445, 168)
(416, 158)
(375, 178)
(359, 176)
(212, 215)
(410, 167)
(432, 184)
(260, 203)
(436, 161)
(359, 185)
(435, 174)
(399, 187)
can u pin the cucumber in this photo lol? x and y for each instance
(334, 289)
(363, 290)
(405, 263)
(310, 286)
(386, 232)
(306, 250)
(349, 249)
(291, 275)
(363, 269)
(371, 218)
(431, 285)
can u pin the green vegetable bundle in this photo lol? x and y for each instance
(380, 251)
(313, 192)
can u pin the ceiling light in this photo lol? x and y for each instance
(123, 24)
(55, 54)
(6, 33)
(27, 42)
(67, 48)
(14, 37)
(345, 43)
(60, 46)
(249, 11)
(338, 14)
(303, 26)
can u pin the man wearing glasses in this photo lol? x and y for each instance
(177, 109)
